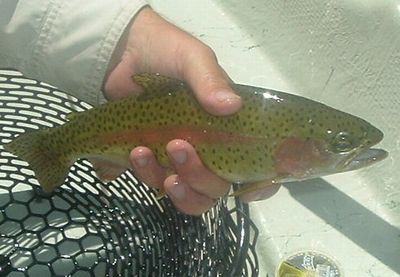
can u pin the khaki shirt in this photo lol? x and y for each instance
(68, 44)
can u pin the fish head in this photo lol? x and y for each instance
(329, 144)
(352, 148)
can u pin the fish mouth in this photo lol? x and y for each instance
(365, 158)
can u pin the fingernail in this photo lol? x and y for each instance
(225, 95)
(142, 162)
(177, 191)
(179, 156)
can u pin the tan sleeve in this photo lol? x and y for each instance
(68, 44)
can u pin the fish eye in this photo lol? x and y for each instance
(342, 142)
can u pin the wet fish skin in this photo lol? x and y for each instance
(275, 137)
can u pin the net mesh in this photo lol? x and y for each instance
(87, 228)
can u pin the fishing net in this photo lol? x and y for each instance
(87, 228)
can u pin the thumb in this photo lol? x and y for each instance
(119, 83)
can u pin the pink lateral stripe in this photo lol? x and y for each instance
(192, 135)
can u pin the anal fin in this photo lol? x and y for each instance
(106, 170)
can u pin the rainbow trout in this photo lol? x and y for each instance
(275, 137)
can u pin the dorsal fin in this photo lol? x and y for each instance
(156, 84)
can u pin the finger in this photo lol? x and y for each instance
(192, 172)
(209, 81)
(261, 194)
(146, 167)
(185, 198)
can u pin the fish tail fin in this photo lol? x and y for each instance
(33, 147)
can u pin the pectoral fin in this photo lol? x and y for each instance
(252, 187)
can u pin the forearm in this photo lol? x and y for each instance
(68, 44)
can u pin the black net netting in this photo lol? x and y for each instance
(87, 228)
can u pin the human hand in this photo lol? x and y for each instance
(154, 45)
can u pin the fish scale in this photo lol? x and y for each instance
(275, 137)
